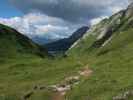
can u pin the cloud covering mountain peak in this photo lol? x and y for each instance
(40, 25)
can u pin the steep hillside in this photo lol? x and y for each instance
(24, 75)
(64, 44)
(108, 51)
(103, 32)
(13, 43)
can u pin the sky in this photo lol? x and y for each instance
(8, 10)
(54, 19)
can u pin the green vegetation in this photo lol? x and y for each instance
(13, 44)
(112, 70)
(23, 65)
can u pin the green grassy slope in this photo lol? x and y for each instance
(13, 44)
(112, 70)
(111, 65)
(22, 68)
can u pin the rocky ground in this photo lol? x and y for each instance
(59, 90)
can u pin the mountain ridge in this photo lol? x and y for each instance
(104, 30)
(64, 44)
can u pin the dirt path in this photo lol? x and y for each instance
(60, 90)
(85, 72)
(58, 96)
(69, 82)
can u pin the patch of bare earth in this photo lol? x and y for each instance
(58, 96)
(67, 84)
(85, 72)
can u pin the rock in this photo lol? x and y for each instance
(64, 88)
(42, 87)
(35, 87)
(72, 80)
(124, 96)
(129, 11)
(120, 97)
(27, 95)
(85, 72)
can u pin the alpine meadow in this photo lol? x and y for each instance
(79, 61)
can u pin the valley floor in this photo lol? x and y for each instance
(107, 76)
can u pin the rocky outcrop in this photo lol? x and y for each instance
(129, 12)
(116, 23)
(59, 90)
(124, 96)
(107, 30)
(104, 30)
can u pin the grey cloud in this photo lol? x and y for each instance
(130, 1)
(33, 25)
(77, 11)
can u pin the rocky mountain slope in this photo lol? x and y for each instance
(64, 44)
(120, 21)
(107, 49)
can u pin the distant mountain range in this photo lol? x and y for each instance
(20, 43)
(64, 44)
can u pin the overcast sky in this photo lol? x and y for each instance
(72, 10)
(59, 18)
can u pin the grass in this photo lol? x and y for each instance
(111, 65)
(17, 76)
(112, 71)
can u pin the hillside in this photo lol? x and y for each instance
(25, 66)
(98, 67)
(107, 50)
(100, 34)
(13, 43)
